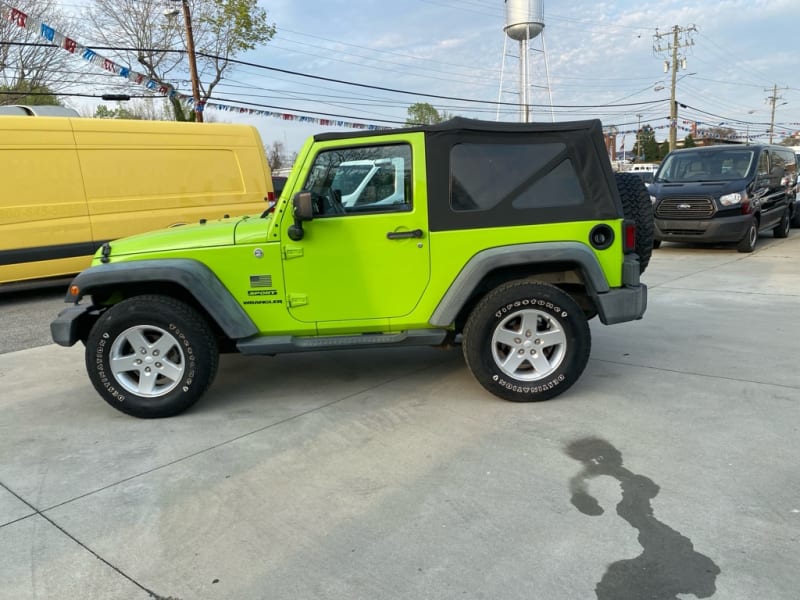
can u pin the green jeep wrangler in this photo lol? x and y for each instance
(504, 237)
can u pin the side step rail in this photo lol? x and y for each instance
(281, 344)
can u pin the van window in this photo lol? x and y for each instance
(361, 179)
(707, 165)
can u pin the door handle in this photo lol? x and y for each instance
(400, 235)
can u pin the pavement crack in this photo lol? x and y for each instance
(247, 434)
(695, 373)
(106, 562)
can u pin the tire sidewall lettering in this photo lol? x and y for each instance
(528, 388)
(107, 379)
(535, 302)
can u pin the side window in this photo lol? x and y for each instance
(361, 179)
(527, 176)
(763, 164)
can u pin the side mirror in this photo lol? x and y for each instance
(302, 210)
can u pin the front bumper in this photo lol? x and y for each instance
(718, 230)
(72, 325)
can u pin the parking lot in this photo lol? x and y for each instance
(668, 471)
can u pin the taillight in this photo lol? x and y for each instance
(270, 197)
(629, 236)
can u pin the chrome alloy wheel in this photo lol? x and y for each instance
(147, 361)
(529, 345)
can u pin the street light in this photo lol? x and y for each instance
(187, 18)
(747, 134)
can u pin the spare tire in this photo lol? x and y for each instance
(636, 207)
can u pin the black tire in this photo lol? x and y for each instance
(656, 244)
(636, 207)
(785, 224)
(796, 215)
(517, 312)
(151, 336)
(748, 242)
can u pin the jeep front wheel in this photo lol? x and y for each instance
(527, 341)
(151, 356)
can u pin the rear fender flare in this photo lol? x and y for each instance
(519, 254)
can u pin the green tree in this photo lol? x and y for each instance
(688, 141)
(25, 92)
(140, 109)
(423, 113)
(649, 145)
(222, 30)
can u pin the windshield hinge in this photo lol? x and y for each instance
(297, 300)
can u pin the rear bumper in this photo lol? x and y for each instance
(622, 304)
(71, 325)
(719, 230)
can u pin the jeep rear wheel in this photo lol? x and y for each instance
(151, 356)
(636, 207)
(526, 341)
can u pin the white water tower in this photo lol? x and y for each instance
(524, 23)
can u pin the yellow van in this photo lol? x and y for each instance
(71, 184)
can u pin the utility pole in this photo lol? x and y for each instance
(773, 99)
(639, 152)
(681, 38)
(198, 105)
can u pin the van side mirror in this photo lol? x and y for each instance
(302, 210)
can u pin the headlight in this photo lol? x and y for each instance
(731, 199)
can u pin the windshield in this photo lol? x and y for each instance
(348, 177)
(715, 165)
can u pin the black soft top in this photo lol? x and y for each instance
(583, 148)
(457, 124)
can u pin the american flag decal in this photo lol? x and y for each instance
(260, 281)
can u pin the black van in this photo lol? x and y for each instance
(725, 193)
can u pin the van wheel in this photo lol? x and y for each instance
(656, 244)
(782, 229)
(636, 207)
(526, 341)
(748, 243)
(151, 356)
(796, 215)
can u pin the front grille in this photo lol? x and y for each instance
(685, 208)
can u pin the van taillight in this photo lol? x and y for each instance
(629, 236)
(270, 197)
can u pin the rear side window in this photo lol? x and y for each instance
(521, 176)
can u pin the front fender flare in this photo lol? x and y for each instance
(193, 276)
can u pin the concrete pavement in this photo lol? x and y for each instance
(392, 474)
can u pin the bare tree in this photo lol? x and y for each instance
(222, 29)
(276, 155)
(26, 66)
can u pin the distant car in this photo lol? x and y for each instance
(645, 176)
(719, 194)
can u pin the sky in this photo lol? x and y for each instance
(594, 59)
